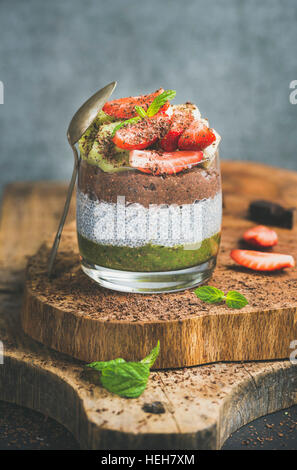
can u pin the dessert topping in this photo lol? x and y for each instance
(160, 105)
(197, 136)
(149, 122)
(261, 236)
(259, 261)
(160, 101)
(142, 134)
(181, 119)
(158, 163)
(124, 108)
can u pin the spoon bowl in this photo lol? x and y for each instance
(86, 114)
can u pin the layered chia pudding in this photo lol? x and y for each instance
(149, 195)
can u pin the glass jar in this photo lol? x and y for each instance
(145, 233)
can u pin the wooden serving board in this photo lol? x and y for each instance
(75, 316)
(203, 404)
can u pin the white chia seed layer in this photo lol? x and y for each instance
(127, 224)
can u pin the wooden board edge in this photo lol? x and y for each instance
(240, 407)
(63, 326)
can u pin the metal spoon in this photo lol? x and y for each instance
(80, 122)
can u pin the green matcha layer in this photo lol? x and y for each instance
(148, 258)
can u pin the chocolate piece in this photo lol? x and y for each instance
(270, 213)
(156, 407)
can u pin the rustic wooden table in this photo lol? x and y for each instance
(203, 405)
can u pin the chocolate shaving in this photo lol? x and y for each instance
(156, 407)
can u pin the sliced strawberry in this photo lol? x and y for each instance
(142, 134)
(157, 163)
(124, 108)
(196, 137)
(261, 236)
(166, 109)
(181, 119)
(259, 261)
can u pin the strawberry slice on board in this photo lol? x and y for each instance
(124, 108)
(158, 163)
(259, 261)
(181, 119)
(261, 236)
(142, 134)
(197, 136)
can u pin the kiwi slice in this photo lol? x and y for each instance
(86, 141)
(105, 154)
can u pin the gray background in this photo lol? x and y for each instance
(234, 58)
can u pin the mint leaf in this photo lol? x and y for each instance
(101, 364)
(235, 300)
(159, 101)
(209, 294)
(128, 379)
(213, 295)
(125, 123)
(140, 111)
(150, 359)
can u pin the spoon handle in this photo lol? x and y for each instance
(56, 243)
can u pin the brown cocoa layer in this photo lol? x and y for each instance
(183, 188)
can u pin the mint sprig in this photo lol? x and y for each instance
(156, 105)
(127, 379)
(140, 111)
(159, 101)
(213, 295)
